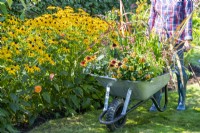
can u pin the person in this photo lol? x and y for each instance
(165, 16)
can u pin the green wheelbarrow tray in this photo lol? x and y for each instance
(141, 90)
(125, 91)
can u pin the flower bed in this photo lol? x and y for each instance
(40, 69)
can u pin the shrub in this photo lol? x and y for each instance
(33, 8)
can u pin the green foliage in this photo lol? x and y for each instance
(40, 71)
(6, 8)
(34, 8)
(193, 57)
(90, 6)
(196, 27)
(3, 10)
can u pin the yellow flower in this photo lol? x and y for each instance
(36, 68)
(86, 41)
(113, 76)
(140, 72)
(31, 54)
(147, 76)
(133, 54)
(88, 58)
(133, 78)
(118, 71)
(83, 63)
(51, 7)
(113, 62)
(114, 46)
(94, 57)
(119, 64)
(131, 68)
(10, 70)
(125, 60)
(29, 69)
(142, 60)
(52, 62)
(124, 66)
(16, 67)
(66, 50)
(119, 75)
(41, 60)
(111, 66)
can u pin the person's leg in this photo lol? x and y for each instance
(182, 82)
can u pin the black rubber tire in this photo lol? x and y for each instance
(115, 110)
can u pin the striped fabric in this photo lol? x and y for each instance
(166, 15)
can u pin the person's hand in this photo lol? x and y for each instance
(187, 46)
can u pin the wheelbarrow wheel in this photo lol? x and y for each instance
(114, 111)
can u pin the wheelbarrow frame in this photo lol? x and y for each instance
(137, 90)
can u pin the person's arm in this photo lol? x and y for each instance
(188, 9)
(152, 15)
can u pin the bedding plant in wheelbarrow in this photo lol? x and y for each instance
(131, 67)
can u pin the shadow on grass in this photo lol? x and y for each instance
(139, 120)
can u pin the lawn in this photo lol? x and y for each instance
(138, 121)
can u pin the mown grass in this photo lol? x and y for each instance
(139, 120)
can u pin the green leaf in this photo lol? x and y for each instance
(25, 77)
(96, 105)
(68, 84)
(32, 119)
(57, 87)
(75, 101)
(78, 91)
(14, 97)
(3, 8)
(64, 73)
(87, 88)
(95, 96)
(86, 103)
(70, 111)
(23, 3)
(10, 128)
(2, 19)
(3, 113)
(10, 2)
(22, 16)
(24, 103)
(46, 97)
(63, 101)
(14, 107)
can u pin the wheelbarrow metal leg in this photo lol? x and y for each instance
(106, 98)
(128, 95)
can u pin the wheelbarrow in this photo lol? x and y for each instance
(124, 91)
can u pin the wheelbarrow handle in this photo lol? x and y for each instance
(109, 122)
